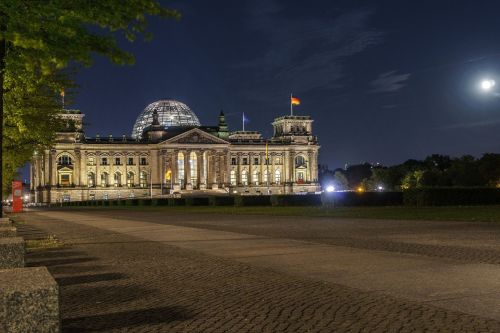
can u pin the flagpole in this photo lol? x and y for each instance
(291, 105)
(243, 121)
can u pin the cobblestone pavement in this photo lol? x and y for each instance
(112, 282)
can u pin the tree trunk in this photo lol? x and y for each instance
(3, 47)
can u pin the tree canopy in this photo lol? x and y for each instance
(39, 40)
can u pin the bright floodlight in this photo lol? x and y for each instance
(487, 85)
(330, 188)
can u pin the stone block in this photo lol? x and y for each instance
(12, 251)
(29, 301)
(8, 231)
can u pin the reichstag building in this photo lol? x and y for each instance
(169, 152)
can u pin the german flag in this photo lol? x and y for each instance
(295, 100)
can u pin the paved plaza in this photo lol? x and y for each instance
(159, 271)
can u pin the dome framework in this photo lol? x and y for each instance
(170, 113)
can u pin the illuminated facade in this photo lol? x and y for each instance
(170, 152)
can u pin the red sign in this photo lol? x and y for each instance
(17, 196)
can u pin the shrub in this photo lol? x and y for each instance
(252, 200)
(197, 201)
(132, 202)
(221, 200)
(362, 198)
(452, 196)
(295, 200)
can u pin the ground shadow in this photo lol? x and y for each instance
(117, 320)
(82, 279)
(57, 262)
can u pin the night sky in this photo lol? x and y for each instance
(385, 81)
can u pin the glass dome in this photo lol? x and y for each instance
(170, 113)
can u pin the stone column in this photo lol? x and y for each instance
(53, 167)
(77, 168)
(175, 170)
(187, 170)
(201, 168)
(310, 165)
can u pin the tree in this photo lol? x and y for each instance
(38, 39)
(340, 181)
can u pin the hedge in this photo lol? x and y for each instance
(252, 200)
(197, 201)
(221, 201)
(362, 198)
(295, 200)
(176, 201)
(159, 202)
(452, 196)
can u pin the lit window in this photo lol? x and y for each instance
(255, 177)
(277, 177)
(104, 179)
(91, 161)
(65, 180)
(90, 179)
(117, 179)
(244, 177)
(130, 179)
(233, 177)
(143, 179)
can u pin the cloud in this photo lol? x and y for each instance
(466, 125)
(303, 53)
(389, 82)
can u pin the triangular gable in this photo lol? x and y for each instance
(196, 136)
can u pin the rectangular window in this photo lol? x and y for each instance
(104, 161)
(130, 161)
(256, 161)
(245, 161)
(117, 161)
(233, 161)
(143, 161)
(90, 161)
(278, 160)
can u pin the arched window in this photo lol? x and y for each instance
(64, 160)
(130, 179)
(91, 179)
(233, 178)
(104, 179)
(117, 179)
(255, 177)
(143, 179)
(244, 177)
(277, 177)
(300, 161)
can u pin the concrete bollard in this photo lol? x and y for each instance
(8, 231)
(29, 301)
(11, 253)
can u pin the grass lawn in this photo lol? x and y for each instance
(455, 213)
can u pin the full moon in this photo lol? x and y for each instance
(487, 84)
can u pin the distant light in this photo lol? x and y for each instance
(330, 188)
(380, 188)
(26, 197)
(360, 189)
(487, 85)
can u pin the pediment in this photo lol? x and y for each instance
(195, 136)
